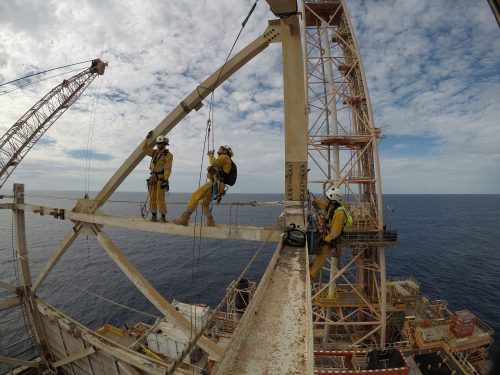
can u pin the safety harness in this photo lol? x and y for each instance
(155, 161)
(347, 217)
(155, 165)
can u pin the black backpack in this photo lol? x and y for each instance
(294, 236)
(229, 178)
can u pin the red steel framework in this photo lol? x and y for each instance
(22, 136)
(349, 310)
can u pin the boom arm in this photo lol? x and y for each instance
(192, 101)
(22, 136)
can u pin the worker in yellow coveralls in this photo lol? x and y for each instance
(160, 168)
(222, 167)
(337, 220)
(214, 188)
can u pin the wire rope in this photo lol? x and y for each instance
(45, 71)
(41, 80)
(89, 139)
(251, 203)
(93, 117)
(116, 303)
(212, 96)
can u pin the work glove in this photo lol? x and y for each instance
(150, 133)
(211, 152)
(328, 239)
(164, 185)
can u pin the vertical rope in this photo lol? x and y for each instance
(93, 116)
(206, 145)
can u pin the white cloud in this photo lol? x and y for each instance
(432, 69)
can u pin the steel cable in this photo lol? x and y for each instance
(45, 71)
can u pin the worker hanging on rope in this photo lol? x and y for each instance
(337, 219)
(160, 167)
(221, 173)
(224, 168)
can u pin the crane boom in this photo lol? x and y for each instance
(22, 136)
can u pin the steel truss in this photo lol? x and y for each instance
(349, 301)
(22, 136)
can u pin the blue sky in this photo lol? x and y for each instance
(433, 71)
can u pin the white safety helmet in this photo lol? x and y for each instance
(162, 139)
(228, 150)
(334, 194)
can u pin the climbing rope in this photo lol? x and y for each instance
(144, 206)
(196, 251)
(213, 315)
(212, 96)
(251, 203)
(209, 130)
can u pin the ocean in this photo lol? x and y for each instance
(449, 243)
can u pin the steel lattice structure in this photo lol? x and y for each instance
(22, 136)
(350, 309)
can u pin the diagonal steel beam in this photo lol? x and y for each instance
(192, 101)
(56, 256)
(337, 275)
(74, 357)
(18, 362)
(152, 294)
(7, 286)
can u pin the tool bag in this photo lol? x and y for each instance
(314, 241)
(294, 236)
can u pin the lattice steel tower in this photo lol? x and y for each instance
(349, 301)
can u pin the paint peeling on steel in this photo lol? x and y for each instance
(278, 340)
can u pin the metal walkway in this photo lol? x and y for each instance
(275, 334)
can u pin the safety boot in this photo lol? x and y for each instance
(210, 222)
(153, 218)
(183, 220)
(163, 219)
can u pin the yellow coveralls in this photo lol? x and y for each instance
(336, 226)
(206, 192)
(223, 162)
(160, 167)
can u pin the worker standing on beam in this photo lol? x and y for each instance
(337, 220)
(160, 167)
(221, 172)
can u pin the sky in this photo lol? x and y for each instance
(433, 72)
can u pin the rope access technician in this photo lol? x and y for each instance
(221, 172)
(160, 167)
(337, 219)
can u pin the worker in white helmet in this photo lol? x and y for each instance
(223, 167)
(337, 219)
(160, 168)
(221, 172)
